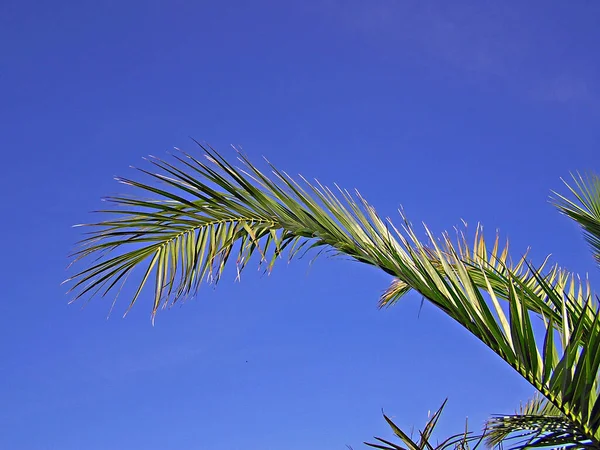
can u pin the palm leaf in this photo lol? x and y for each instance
(538, 423)
(188, 234)
(463, 441)
(208, 211)
(584, 208)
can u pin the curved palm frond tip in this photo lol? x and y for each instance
(584, 208)
(188, 235)
(206, 213)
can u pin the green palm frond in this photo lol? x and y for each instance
(462, 441)
(188, 234)
(584, 209)
(563, 365)
(493, 269)
(210, 211)
(538, 423)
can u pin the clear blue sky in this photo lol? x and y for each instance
(455, 110)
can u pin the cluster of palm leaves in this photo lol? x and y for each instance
(203, 213)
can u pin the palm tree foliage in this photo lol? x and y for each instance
(538, 423)
(461, 441)
(542, 320)
(584, 209)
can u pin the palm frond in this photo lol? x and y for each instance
(211, 210)
(584, 208)
(564, 365)
(536, 423)
(462, 441)
(492, 269)
(188, 234)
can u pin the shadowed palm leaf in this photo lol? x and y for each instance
(537, 424)
(208, 211)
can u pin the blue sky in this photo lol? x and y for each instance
(455, 110)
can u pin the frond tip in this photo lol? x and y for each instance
(584, 209)
(204, 213)
(466, 440)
